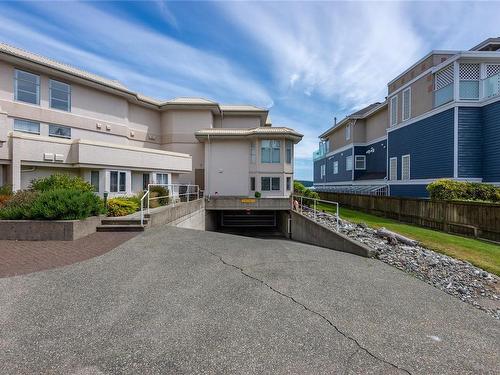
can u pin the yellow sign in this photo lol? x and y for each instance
(247, 200)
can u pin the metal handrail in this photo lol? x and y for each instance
(299, 206)
(171, 194)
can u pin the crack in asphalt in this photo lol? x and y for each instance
(360, 347)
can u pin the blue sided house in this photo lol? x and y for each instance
(441, 119)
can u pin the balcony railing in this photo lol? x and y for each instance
(469, 90)
(318, 154)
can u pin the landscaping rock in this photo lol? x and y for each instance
(455, 277)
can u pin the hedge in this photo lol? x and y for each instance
(122, 206)
(446, 189)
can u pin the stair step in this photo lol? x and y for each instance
(111, 221)
(120, 228)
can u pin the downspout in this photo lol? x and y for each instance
(352, 153)
(207, 166)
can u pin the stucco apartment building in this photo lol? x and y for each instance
(440, 119)
(56, 118)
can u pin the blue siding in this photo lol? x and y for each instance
(491, 142)
(317, 171)
(343, 174)
(376, 161)
(430, 144)
(470, 142)
(411, 191)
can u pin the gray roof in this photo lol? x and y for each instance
(242, 132)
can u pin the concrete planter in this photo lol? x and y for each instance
(46, 230)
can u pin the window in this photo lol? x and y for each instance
(335, 167)
(253, 154)
(94, 180)
(162, 178)
(288, 183)
(407, 104)
(393, 169)
(252, 183)
(145, 181)
(270, 151)
(360, 162)
(469, 81)
(27, 126)
(27, 87)
(394, 110)
(117, 181)
(289, 152)
(322, 171)
(270, 183)
(348, 132)
(59, 131)
(348, 163)
(60, 95)
(405, 167)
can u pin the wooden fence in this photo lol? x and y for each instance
(475, 219)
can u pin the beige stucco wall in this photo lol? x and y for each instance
(358, 131)
(231, 121)
(337, 138)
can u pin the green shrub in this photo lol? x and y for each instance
(61, 181)
(58, 204)
(122, 206)
(258, 194)
(6, 190)
(301, 190)
(18, 206)
(446, 189)
(158, 191)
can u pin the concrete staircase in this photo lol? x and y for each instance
(124, 224)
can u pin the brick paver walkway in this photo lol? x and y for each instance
(21, 257)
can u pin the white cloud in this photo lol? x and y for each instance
(131, 53)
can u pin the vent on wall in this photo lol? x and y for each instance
(49, 156)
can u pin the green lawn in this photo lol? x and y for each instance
(483, 254)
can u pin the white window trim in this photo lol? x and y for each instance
(409, 104)
(394, 103)
(322, 170)
(347, 168)
(336, 167)
(37, 91)
(391, 177)
(363, 157)
(348, 132)
(402, 164)
(118, 191)
(69, 95)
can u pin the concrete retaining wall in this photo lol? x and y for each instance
(308, 231)
(186, 215)
(245, 203)
(42, 230)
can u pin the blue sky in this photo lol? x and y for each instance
(305, 61)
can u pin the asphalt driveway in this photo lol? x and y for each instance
(179, 301)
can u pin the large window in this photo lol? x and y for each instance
(393, 169)
(348, 132)
(60, 95)
(288, 183)
(270, 151)
(348, 163)
(360, 162)
(394, 110)
(253, 153)
(27, 87)
(322, 170)
(59, 131)
(407, 104)
(26, 126)
(145, 181)
(162, 178)
(94, 180)
(289, 147)
(117, 181)
(405, 167)
(335, 167)
(270, 183)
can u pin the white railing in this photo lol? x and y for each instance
(301, 204)
(491, 86)
(175, 193)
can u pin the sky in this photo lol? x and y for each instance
(307, 62)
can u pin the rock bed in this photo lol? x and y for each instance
(456, 277)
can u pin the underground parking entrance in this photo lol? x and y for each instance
(248, 222)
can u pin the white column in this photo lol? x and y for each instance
(15, 169)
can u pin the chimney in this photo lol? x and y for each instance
(335, 121)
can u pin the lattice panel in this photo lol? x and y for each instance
(444, 77)
(469, 72)
(492, 70)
